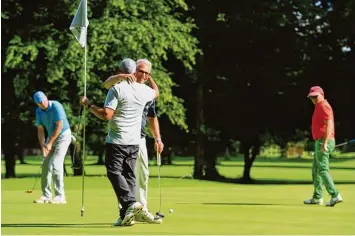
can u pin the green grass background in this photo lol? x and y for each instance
(271, 206)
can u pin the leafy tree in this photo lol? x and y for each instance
(260, 58)
(42, 54)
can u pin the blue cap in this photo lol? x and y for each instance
(128, 66)
(39, 96)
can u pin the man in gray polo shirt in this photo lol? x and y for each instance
(143, 74)
(123, 108)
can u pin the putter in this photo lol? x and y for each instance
(38, 174)
(159, 214)
(339, 145)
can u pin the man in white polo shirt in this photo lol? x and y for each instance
(123, 108)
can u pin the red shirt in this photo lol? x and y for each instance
(322, 112)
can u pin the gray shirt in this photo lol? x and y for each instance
(128, 101)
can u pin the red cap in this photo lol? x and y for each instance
(315, 90)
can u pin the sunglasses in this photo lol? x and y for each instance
(143, 72)
(313, 97)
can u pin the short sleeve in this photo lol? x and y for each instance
(111, 99)
(59, 112)
(151, 109)
(149, 93)
(38, 118)
(327, 112)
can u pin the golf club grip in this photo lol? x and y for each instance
(158, 159)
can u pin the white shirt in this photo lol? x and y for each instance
(128, 101)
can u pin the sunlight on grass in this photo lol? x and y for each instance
(200, 207)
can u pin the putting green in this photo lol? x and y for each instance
(200, 207)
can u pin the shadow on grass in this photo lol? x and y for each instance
(261, 165)
(223, 179)
(268, 160)
(233, 204)
(290, 167)
(239, 204)
(270, 181)
(41, 225)
(261, 161)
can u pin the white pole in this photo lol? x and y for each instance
(84, 148)
(85, 65)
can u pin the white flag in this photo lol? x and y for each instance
(80, 23)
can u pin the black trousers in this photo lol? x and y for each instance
(120, 162)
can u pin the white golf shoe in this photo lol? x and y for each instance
(58, 200)
(132, 210)
(146, 216)
(138, 218)
(334, 200)
(313, 201)
(42, 200)
(119, 223)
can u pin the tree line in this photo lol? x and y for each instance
(227, 70)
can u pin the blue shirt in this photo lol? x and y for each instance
(149, 111)
(48, 118)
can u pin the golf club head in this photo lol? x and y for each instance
(159, 215)
(82, 211)
(29, 191)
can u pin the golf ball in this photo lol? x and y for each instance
(171, 210)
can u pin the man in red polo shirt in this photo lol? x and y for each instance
(324, 137)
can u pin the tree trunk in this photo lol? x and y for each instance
(227, 155)
(248, 162)
(211, 151)
(101, 154)
(10, 161)
(77, 163)
(206, 151)
(20, 156)
(200, 122)
(283, 149)
(249, 159)
(168, 157)
(200, 163)
(19, 151)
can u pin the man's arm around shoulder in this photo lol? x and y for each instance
(154, 86)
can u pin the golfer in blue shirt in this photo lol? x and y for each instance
(50, 116)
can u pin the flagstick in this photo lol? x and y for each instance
(78, 27)
(84, 149)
